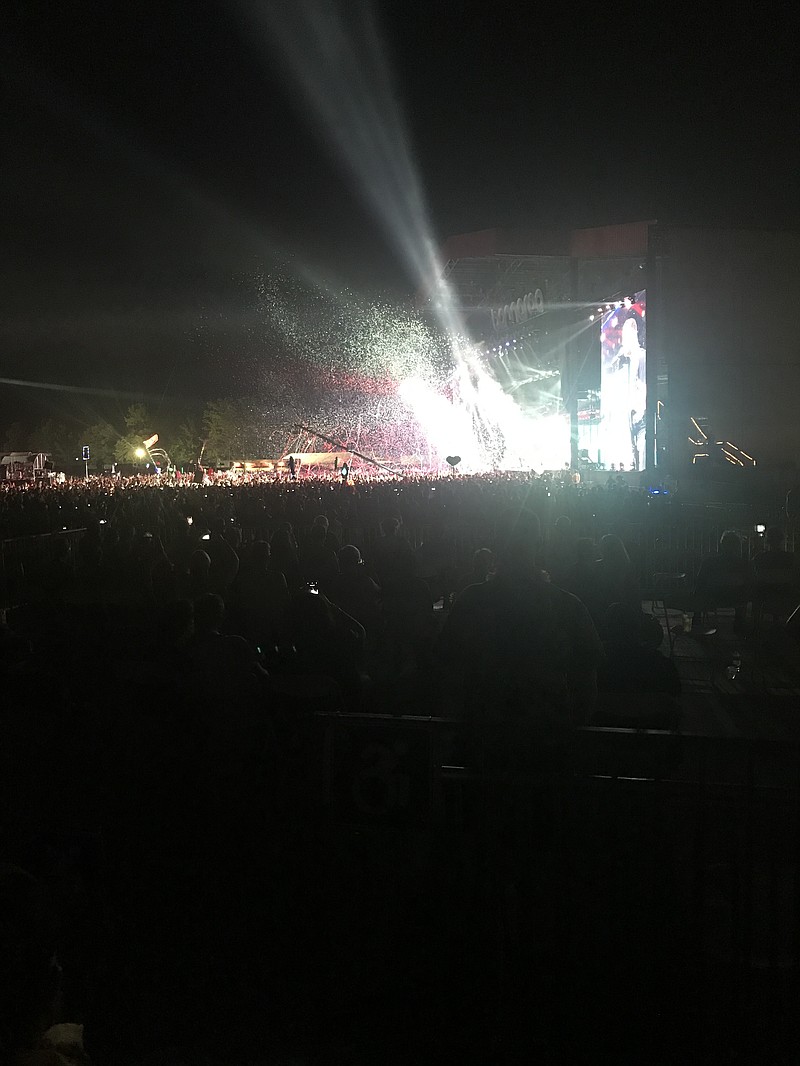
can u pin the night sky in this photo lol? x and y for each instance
(159, 160)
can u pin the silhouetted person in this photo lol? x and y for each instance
(286, 557)
(260, 597)
(196, 581)
(390, 552)
(224, 560)
(725, 579)
(354, 590)
(331, 541)
(480, 569)
(583, 579)
(617, 581)
(528, 650)
(328, 643)
(319, 562)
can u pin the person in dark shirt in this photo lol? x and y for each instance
(330, 540)
(354, 590)
(583, 578)
(527, 651)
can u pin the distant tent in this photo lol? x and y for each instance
(301, 459)
(326, 459)
(255, 464)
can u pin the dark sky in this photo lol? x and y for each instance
(159, 159)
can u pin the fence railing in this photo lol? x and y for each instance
(23, 559)
(715, 819)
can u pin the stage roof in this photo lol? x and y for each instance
(629, 238)
(483, 280)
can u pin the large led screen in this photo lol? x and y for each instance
(623, 389)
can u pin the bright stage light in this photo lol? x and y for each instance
(483, 423)
(139, 453)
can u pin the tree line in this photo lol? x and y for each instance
(226, 429)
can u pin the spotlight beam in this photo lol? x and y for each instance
(342, 74)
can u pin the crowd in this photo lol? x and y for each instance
(260, 499)
(526, 587)
(159, 669)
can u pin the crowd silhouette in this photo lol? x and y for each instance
(163, 669)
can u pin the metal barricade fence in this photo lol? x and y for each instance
(23, 558)
(715, 819)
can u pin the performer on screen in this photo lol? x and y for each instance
(631, 354)
(626, 394)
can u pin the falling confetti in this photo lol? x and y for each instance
(380, 379)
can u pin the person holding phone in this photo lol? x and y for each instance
(328, 641)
